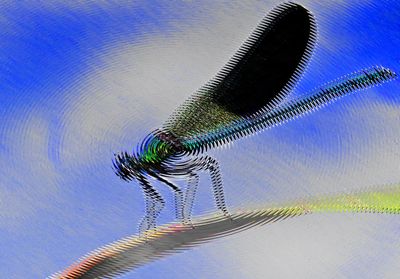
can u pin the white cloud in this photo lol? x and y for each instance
(327, 245)
(29, 178)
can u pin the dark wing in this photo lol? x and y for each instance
(257, 78)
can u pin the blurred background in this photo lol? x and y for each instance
(80, 81)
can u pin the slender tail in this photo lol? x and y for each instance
(330, 92)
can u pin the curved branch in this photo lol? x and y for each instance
(132, 252)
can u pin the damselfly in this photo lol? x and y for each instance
(246, 96)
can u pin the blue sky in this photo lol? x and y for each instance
(80, 82)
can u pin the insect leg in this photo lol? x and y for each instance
(178, 198)
(148, 220)
(154, 205)
(216, 180)
(193, 182)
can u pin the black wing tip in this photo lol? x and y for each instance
(269, 93)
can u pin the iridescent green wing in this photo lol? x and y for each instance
(256, 79)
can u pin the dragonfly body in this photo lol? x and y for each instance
(160, 148)
(331, 92)
(246, 96)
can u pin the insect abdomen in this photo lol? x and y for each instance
(332, 91)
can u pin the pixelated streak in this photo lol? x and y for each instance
(132, 252)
